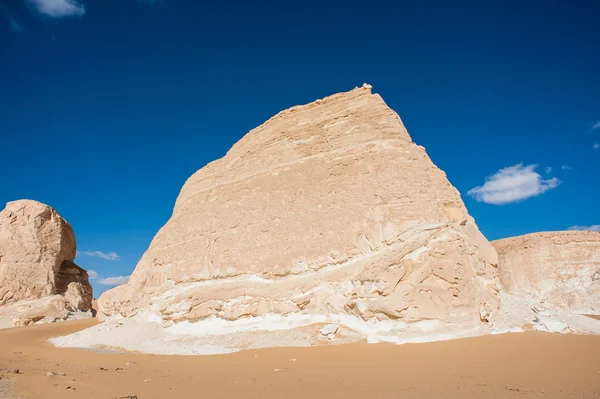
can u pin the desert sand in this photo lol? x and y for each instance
(516, 365)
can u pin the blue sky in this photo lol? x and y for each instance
(107, 107)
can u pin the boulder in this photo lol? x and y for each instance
(560, 268)
(38, 279)
(326, 213)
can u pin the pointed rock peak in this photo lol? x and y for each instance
(326, 214)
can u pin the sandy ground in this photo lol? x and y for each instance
(521, 365)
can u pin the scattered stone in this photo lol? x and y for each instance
(372, 340)
(53, 373)
(11, 371)
(329, 329)
(555, 326)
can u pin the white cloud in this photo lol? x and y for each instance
(596, 125)
(594, 227)
(92, 274)
(512, 184)
(565, 167)
(596, 146)
(548, 169)
(100, 254)
(116, 280)
(58, 8)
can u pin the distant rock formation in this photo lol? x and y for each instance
(39, 282)
(557, 268)
(326, 213)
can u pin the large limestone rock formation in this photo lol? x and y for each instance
(38, 280)
(557, 268)
(326, 213)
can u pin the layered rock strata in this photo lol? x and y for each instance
(326, 213)
(559, 268)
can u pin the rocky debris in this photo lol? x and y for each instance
(329, 329)
(525, 314)
(326, 213)
(555, 326)
(45, 310)
(39, 283)
(555, 268)
(53, 373)
(10, 371)
(78, 293)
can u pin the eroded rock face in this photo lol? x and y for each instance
(327, 212)
(559, 268)
(37, 248)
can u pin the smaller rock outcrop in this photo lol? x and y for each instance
(39, 282)
(560, 268)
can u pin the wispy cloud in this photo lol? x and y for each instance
(92, 274)
(512, 184)
(14, 25)
(548, 169)
(596, 125)
(115, 280)
(12, 22)
(594, 227)
(151, 2)
(596, 146)
(100, 254)
(566, 167)
(58, 8)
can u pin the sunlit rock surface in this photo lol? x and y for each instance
(327, 214)
(39, 282)
(559, 268)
